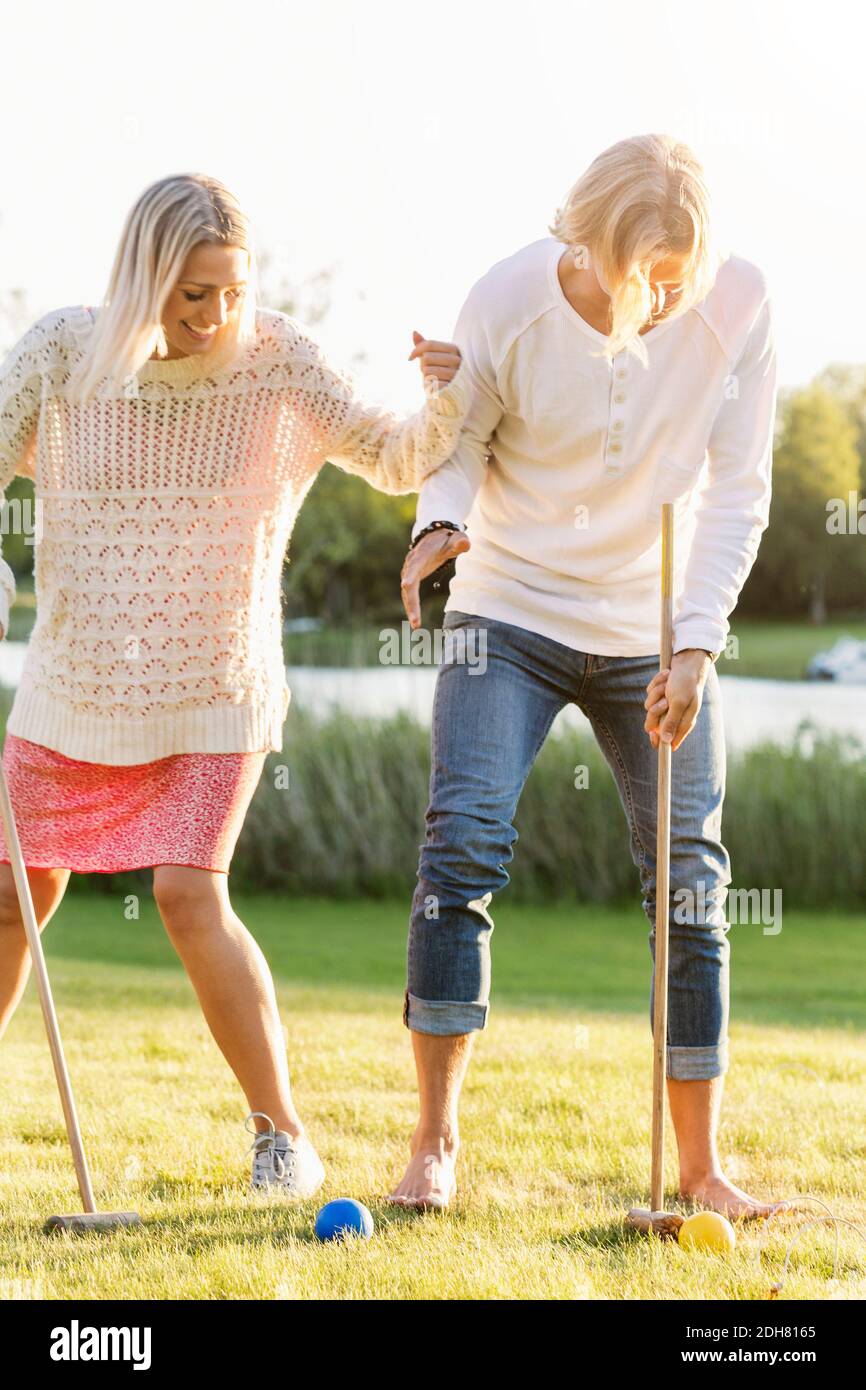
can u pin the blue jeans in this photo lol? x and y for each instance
(487, 731)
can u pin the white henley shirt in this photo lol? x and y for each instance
(564, 460)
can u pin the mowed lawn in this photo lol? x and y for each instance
(555, 1116)
(778, 649)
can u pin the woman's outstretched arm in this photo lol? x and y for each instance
(391, 453)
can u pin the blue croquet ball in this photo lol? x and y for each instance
(341, 1216)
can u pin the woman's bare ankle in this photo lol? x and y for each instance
(282, 1123)
(441, 1141)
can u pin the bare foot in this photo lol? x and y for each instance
(717, 1194)
(429, 1182)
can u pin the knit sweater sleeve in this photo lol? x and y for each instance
(391, 453)
(20, 397)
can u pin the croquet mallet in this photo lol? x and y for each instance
(90, 1219)
(655, 1219)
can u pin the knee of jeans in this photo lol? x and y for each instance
(467, 857)
(699, 902)
(434, 906)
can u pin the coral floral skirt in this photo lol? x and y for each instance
(91, 818)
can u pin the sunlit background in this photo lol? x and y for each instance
(388, 154)
(405, 147)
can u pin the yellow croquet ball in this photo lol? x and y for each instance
(707, 1230)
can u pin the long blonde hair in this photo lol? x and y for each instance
(169, 218)
(639, 202)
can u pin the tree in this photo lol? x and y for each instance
(346, 551)
(815, 461)
(847, 382)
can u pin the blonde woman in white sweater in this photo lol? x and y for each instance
(172, 437)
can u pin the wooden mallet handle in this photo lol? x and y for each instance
(663, 862)
(31, 929)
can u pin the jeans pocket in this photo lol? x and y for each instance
(454, 618)
(465, 641)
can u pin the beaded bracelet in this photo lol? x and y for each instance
(435, 526)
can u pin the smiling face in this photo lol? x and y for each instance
(207, 297)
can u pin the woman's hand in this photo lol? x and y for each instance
(431, 552)
(674, 698)
(439, 361)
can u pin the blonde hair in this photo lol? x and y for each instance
(641, 201)
(169, 218)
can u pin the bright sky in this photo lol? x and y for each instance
(408, 146)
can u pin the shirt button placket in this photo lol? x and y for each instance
(616, 427)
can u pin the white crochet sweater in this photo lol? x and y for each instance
(164, 522)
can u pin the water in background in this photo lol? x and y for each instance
(755, 710)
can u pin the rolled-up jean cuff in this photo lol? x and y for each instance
(697, 1063)
(443, 1016)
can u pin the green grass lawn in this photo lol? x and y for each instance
(555, 1115)
(780, 650)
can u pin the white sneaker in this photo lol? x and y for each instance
(292, 1165)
